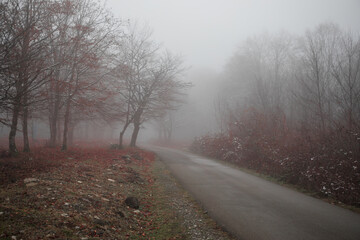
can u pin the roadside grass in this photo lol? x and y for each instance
(167, 224)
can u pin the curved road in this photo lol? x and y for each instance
(251, 208)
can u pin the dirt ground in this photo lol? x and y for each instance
(80, 194)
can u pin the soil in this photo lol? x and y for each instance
(80, 194)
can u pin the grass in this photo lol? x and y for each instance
(166, 222)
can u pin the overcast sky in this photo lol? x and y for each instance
(206, 32)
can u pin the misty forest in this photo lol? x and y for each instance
(108, 133)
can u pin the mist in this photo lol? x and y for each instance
(145, 119)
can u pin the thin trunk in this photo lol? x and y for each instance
(122, 134)
(58, 133)
(136, 122)
(24, 78)
(135, 134)
(121, 139)
(33, 131)
(71, 134)
(54, 126)
(25, 128)
(53, 131)
(15, 116)
(66, 126)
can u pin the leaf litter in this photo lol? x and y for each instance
(77, 194)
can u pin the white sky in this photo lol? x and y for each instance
(206, 32)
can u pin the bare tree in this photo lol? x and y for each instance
(346, 72)
(315, 77)
(25, 72)
(148, 83)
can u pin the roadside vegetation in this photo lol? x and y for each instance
(289, 106)
(96, 193)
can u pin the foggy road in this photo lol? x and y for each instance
(251, 208)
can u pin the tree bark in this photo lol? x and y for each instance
(122, 134)
(25, 127)
(15, 116)
(137, 123)
(71, 133)
(66, 126)
(121, 139)
(135, 134)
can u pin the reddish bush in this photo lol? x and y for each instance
(329, 165)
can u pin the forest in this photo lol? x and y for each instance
(289, 107)
(70, 62)
(106, 133)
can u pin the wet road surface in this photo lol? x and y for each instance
(251, 208)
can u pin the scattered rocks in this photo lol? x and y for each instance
(137, 156)
(120, 213)
(30, 180)
(101, 222)
(132, 202)
(31, 184)
(127, 158)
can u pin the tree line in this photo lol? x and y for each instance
(289, 107)
(304, 85)
(71, 61)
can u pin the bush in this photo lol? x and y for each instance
(329, 165)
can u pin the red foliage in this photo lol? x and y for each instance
(328, 165)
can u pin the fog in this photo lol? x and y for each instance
(220, 57)
(99, 91)
(207, 34)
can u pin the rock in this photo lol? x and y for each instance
(30, 180)
(120, 213)
(132, 202)
(100, 222)
(32, 184)
(127, 158)
(137, 156)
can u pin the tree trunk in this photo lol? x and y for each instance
(53, 131)
(12, 145)
(25, 129)
(136, 122)
(122, 134)
(58, 133)
(33, 131)
(71, 134)
(135, 134)
(121, 139)
(25, 124)
(54, 128)
(66, 126)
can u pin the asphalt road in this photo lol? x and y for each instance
(252, 208)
